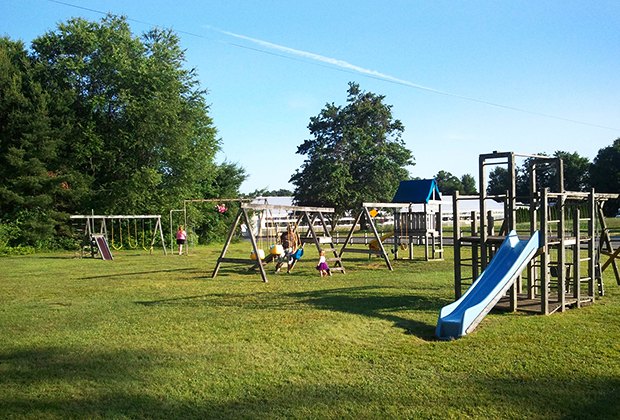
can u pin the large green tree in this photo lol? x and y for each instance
(31, 192)
(133, 121)
(97, 118)
(605, 174)
(468, 183)
(499, 181)
(356, 154)
(576, 171)
(448, 183)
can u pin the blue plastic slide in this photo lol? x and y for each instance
(462, 317)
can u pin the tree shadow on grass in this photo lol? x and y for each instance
(478, 397)
(257, 301)
(363, 301)
(369, 301)
(63, 382)
(57, 382)
(195, 300)
(574, 396)
(138, 273)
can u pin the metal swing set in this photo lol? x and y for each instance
(97, 240)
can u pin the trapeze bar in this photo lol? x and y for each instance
(396, 205)
(283, 207)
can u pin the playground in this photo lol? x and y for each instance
(155, 336)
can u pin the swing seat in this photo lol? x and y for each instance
(261, 255)
(276, 249)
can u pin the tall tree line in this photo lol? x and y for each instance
(95, 118)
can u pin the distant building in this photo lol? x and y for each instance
(467, 206)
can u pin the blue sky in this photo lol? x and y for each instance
(464, 77)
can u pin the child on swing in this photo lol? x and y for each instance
(322, 266)
(290, 241)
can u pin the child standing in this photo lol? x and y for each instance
(181, 238)
(322, 267)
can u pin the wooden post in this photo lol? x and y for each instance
(592, 244)
(475, 247)
(456, 235)
(534, 202)
(577, 258)
(512, 195)
(482, 200)
(544, 266)
(410, 231)
(378, 239)
(397, 230)
(348, 240)
(231, 232)
(562, 254)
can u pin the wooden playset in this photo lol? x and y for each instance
(417, 220)
(567, 269)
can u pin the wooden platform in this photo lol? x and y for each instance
(534, 305)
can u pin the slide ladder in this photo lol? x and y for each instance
(462, 316)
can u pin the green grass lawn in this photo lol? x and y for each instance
(155, 337)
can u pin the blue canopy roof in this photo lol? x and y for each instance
(417, 191)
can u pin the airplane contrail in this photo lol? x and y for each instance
(327, 60)
(345, 65)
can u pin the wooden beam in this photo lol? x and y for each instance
(386, 205)
(250, 206)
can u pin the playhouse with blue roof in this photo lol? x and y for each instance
(419, 223)
(415, 219)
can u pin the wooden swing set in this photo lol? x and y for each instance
(306, 216)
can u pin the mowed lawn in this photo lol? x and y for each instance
(153, 336)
